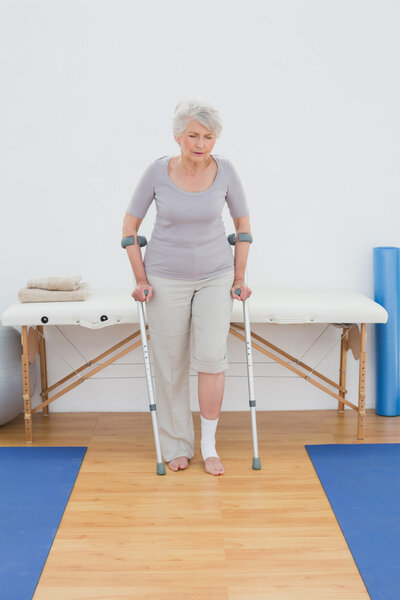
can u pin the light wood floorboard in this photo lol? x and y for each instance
(248, 535)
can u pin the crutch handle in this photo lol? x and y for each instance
(146, 292)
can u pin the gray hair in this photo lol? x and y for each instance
(199, 110)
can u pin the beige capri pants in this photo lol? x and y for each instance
(177, 307)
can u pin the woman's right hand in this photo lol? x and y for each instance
(138, 292)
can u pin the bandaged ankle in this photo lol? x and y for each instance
(208, 428)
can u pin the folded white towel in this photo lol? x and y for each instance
(39, 295)
(55, 283)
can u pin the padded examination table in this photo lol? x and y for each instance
(344, 309)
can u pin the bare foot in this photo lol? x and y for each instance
(178, 464)
(213, 465)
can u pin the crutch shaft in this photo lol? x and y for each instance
(152, 404)
(250, 379)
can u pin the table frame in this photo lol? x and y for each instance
(33, 342)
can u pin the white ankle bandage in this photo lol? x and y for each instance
(208, 428)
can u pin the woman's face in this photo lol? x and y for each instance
(196, 142)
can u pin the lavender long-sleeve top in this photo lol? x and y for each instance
(188, 239)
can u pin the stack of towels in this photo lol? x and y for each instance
(54, 289)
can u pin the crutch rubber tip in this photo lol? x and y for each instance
(160, 468)
(256, 463)
(237, 292)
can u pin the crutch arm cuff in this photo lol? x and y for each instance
(128, 241)
(244, 237)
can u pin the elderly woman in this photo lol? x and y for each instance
(191, 276)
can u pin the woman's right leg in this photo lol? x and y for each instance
(169, 316)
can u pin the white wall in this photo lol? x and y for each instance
(309, 96)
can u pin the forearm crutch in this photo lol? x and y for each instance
(152, 405)
(252, 401)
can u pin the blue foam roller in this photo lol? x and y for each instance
(387, 344)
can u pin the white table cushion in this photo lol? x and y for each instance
(311, 305)
(266, 305)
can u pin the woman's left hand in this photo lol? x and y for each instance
(245, 291)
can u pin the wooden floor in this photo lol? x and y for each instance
(130, 534)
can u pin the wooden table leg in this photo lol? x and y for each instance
(342, 371)
(26, 383)
(43, 367)
(361, 383)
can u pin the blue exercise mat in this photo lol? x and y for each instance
(362, 483)
(35, 485)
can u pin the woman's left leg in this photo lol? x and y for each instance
(211, 314)
(211, 393)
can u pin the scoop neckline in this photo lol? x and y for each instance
(171, 183)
